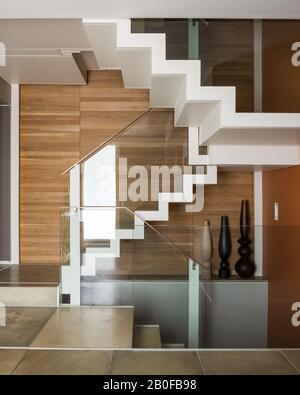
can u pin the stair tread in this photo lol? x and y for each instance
(145, 336)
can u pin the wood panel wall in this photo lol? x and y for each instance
(281, 253)
(280, 79)
(106, 107)
(49, 143)
(58, 125)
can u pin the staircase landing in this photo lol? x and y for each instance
(30, 285)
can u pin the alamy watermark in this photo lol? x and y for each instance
(295, 59)
(150, 183)
(296, 315)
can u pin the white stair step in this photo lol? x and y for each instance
(162, 214)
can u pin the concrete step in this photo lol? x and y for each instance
(146, 336)
(88, 327)
(30, 285)
(38, 295)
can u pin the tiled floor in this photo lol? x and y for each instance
(23, 325)
(88, 327)
(65, 327)
(247, 362)
(155, 362)
(65, 362)
(148, 362)
(9, 359)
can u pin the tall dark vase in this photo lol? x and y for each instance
(244, 267)
(224, 247)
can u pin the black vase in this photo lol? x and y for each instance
(244, 267)
(224, 247)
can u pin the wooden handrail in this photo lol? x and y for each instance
(95, 150)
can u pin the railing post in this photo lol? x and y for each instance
(71, 273)
(193, 319)
(193, 38)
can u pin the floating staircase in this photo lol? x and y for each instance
(209, 112)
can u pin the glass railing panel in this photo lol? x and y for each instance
(176, 30)
(148, 158)
(222, 302)
(123, 261)
(65, 237)
(193, 241)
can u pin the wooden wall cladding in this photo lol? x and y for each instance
(59, 125)
(280, 78)
(281, 255)
(49, 144)
(106, 107)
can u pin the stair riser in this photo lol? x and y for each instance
(34, 296)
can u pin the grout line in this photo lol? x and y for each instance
(51, 316)
(170, 350)
(201, 364)
(110, 363)
(291, 363)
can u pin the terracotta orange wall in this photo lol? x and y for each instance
(282, 253)
(280, 79)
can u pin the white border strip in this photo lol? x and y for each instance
(14, 180)
(258, 220)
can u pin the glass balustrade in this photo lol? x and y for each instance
(170, 275)
(113, 258)
(148, 157)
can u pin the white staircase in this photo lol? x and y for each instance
(186, 196)
(174, 83)
(209, 112)
(255, 139)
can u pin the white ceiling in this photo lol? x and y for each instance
(41, 34)
(150, 8)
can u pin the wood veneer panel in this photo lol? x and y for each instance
(49, 143)
(106, 107)
(281, 253)
(59, 125)
(280, 79)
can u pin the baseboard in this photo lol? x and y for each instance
(5, 262)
